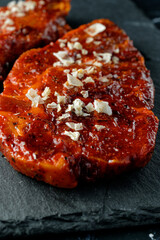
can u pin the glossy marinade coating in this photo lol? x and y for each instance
(32, 137)
(27, 25)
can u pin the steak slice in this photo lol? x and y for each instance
(29, 24)
(79, 109)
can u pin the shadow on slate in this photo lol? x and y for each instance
(29, 207)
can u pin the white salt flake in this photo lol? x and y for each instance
(14, 9)
(97, 42)
(106, 57)
(90, 62)
(62, 40)
(89, 40)
(30, 5)
(97, 64)
(52, 105)
(74, 72)
(77, 45)
(73, 81)
(5, 14)
(78, 107)
(64, 58)
(70, 45)
(104, 79)
(8, 22)
(74, 39)
(78, 56)
(115, 76)
(10, 29)
(90, 70)
(75, 126)
(73, 135)
(66, 85)
(102, 107)
(69, 108)
(64, 116)
(79, 62)
(21, 6)
(56, 94)
(46, 93)
(84, 51)
(115, 60)
(60, 99)
(88, 80)
(115, 149)
(34, 156)
(99, 127)
(8, 25)
(62, 45)
(89, 107)
(116, 50)
(95, 29)
(84, 94)
(58, 108)
(57, 64)
(34, 97)
(42, 2)
(110, 75)
(78, 73)
(66, 70)
(20, 14)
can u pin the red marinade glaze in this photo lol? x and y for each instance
(32, 138)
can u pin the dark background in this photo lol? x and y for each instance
(152, 9)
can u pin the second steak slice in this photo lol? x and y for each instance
(29, 24)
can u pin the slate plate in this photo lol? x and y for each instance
(30, 207)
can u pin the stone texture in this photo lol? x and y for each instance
(30, 207)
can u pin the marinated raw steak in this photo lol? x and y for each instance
(29, 24)
(79, 109)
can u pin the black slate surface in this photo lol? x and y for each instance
(151, 9)
(30, 207)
